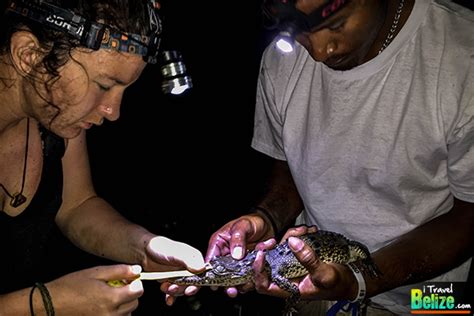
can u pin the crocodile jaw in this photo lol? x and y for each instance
(210, 279)
(225, 271)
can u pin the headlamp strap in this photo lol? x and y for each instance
(322, 13)
(89, 34)
(284, 13)
(92, 35)
(131, 43)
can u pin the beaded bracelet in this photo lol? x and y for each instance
(267, 215)
(48, 303)
(361, 284)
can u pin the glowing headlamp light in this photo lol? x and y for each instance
(286, 40)
(174, 72)
(284, 16)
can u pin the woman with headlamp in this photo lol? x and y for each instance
(64, 67)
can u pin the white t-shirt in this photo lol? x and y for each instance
(380, 149)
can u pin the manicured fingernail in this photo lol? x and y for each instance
(136, 286)
(295, 244)
(237, 252)
(136, 269)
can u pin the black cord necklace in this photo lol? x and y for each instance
(18, 198)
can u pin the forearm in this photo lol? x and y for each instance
(17, 303)
(428, 251)
(281, 198)
(97, 228)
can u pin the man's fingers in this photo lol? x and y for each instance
(247, 287)
(298, 231)
(169, 299)
(304, 254)
(322, 275)
(232, 292)
(265, 245)
(218, 246)
(191, 290)
(240, 231)
(261, 278)
(238, 241)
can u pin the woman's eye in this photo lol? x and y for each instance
(102, 87)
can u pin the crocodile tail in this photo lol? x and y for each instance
(371, 268)
(358, 250)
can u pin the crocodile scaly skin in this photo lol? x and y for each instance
(282, 265)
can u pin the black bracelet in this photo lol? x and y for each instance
(48, 303)
(267, 215)
(32, 312)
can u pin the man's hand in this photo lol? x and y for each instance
(324, 281)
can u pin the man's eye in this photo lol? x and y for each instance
(336, 27)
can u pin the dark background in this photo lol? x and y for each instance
(183, 166)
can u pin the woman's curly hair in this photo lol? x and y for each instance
(126, 16)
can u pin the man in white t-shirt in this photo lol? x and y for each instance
(370, 121)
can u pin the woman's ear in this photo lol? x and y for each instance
(24, 48)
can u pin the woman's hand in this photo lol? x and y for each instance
(86, 292)
(164, 254)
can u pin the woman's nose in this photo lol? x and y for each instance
(110, 105)
(110, 112)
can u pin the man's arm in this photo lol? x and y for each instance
(427, 251)
(281, 198)
(423, 253)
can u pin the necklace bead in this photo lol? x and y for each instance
(17, 199)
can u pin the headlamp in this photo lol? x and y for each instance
(95, 35)
(174, 72)
(284, 16)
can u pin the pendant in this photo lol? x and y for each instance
(17, 199)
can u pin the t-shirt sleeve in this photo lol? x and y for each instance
(268, 121)
(461, 156)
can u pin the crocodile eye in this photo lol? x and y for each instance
(219, 269)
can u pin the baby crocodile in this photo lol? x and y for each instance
(282, 265)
